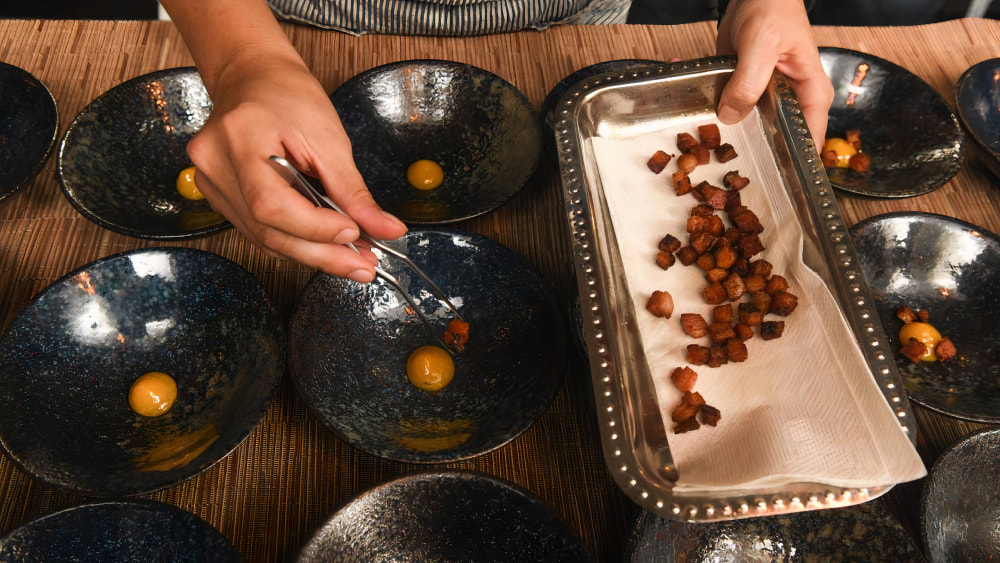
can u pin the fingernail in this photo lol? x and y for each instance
(346, 236)
(361, 276)
(728, 114)
(394, 219)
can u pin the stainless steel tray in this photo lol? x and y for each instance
(633, 435)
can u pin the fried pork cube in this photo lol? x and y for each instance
(853, 136)
(770, 330)
(702, 210)
(923, 315)
(906, 314)
(686, 426)
(761, 268)
(736, 350)
(748, 314)
(914, 349)
(720, 332)
(694, 325)
(658, 161)
(716, 274)
(734, 286)
(734, 181)
(661, 304)
(687, 255)
(725, 152)
(706, 261)
(669, 243)
(860, 162)
(761, 300)
(665, 260)
(682, 182)
(686, 163)
(716, 226)
(725, 256)
(829, 158)
(709, 136)
(691, 403)
(696, 224)
(750, 244)
(709, 415)
(715, 294)
(684, 378)
(775, 284)
(697, 354)
(456, 335)
(743, 332)
(755, 282)
(715, 196)
(723, 313)
(686, 142)
(717, 355)
(745, 220)
(702, 242)
(702, 153)
(733, 235)
(741, 267)
(945, 349)
(783, 303)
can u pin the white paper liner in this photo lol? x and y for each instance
(802, 408)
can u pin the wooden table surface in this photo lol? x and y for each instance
(291, 473)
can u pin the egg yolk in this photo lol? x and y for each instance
(925, 333)
(842, 149)
(430, 368)
(425, 175)
(152, 394)
(186, 186)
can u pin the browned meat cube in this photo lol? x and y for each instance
(725, 153)
(716, 274)
(716, 226)
(703, 154)
(853, 136)
(723, 313)
(706, 261)
(701, 242)
(682, 182)
(783, 303)
(684, 378)
(737, 350)
(684, 411)
(720, 332)
(688, 425)
(715, 196)
(709, 136)
(860, 162)
(658, 161)
(686, 163)
(686, 142)
(923, 315)
(761, 268)
(733, 200)
(697, 355)
(775, 284)
(687, 255)
(717, 355)
(702, 210)
(743, 332)
(697, 224)
(660, 304)
(761, 300)
(694, 325)
(748, 314)
(755, 282)
(735, 288)
(693, 398)
(669, 243)
(741, 267)
(715, 294)
(709, 415)
(750, 245)
(945, 349)
(770, 330)
(906, 314)
(725, 256)
(914, 349)
(665, 260)
(733, 235)
(734, 181)
(745, 220)
(696, 190)
(829, 158)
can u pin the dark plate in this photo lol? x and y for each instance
(139, 531)
(446, 516)
(978, 96)
(69, 358)
(29, 124)
(951, 269)
(119, 160)
(907, 128)
(864, 532)
(481, 130)
(961, 501)
(349, 344)
(552, 99)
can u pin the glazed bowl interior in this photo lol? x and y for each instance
(478, 127)
(29, 124)
(978, 97)
(349, 345)
(119, 160)
(70, 357)
(911, 133)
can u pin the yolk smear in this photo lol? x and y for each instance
(925, 333)
(186, 186)
(425, 175)
(152, 394)
(430, 368)
(842, 149)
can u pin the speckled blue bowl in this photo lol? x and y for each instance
(445, 516)
(909, 130)
(349, 344)
(978, 96)
(29, 124)
(122, 531)
(119, 160)
(69, 358)
(481, 130)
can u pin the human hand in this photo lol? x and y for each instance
(769, 35)
(270, 104)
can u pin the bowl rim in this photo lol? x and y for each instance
(47, 93)
(960, 87)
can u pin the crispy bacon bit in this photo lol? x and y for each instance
(702, 153)
(750, 244)
(735, 288)
(761, 300)
(775, 284)
(709, 415)
(733, 200)
(665, 260)
(755, 282)
(715, 294)
(829, 158)
(853, 136)
(682, 182)
(725, 256)
(715, 196)
(716, 274)
(669, 243)
(697, 354)
(702, 242)
(694, 325)
(783, 303)
(716, 227)
(717, 355)
(686, 426)
(691, 403)
(686, 142)
(723, 313)
(945, 349)
(706, 261)
(924, 315)
(709, 136)
(687, 255)
(686, 163)
(660, 304)
(737, 350)
(725, 153)
(702, 210)
(456, 335)
(658, 161)
(696, 224)
(860, 162)
(914, 349)
(748, 314)
(721, 332)
(761, 268)
(745, 220)
(770, 330)
(906, 314)
(734, 181)
(743, 332)
(684, 378)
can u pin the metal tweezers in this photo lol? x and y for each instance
(300, 183)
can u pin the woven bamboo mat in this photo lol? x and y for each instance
(290, 474)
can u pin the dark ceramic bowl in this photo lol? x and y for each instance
(119, 160)
(864, 532)
(133, 531)
(349, 343)
(552, 99)
(446, 516)
(29, 124)
(978, 96)
(69, 358)
(479, 128)
(951, 269)
(961, 501)
(910, 132)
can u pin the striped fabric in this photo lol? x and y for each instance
(448, 17)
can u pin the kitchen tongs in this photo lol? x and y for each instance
(300, 183)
